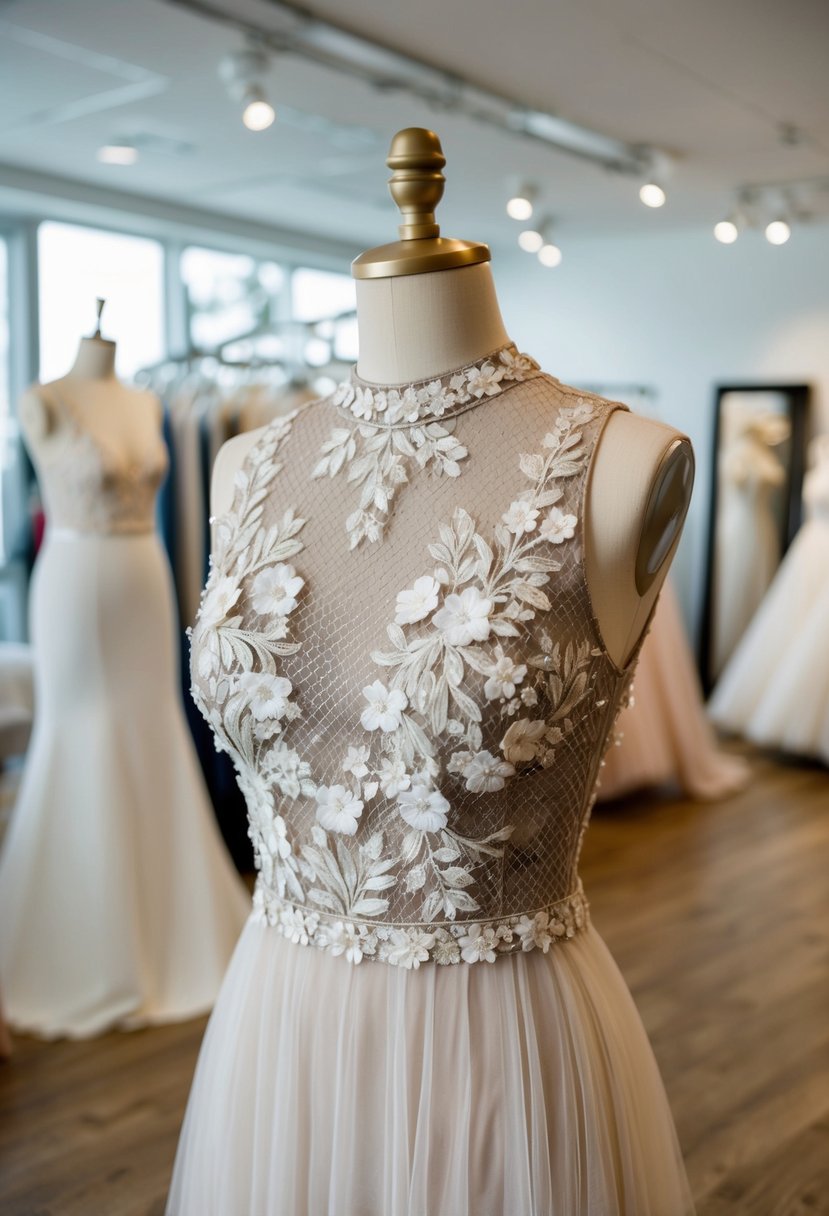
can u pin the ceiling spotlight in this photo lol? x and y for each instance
(778, 232)
(530, 240)
(243, 72)
(119, 152)
(726, 231)
(520, 205)
(652, 195)
(549, 255)
(258, 113)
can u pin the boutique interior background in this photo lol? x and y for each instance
(127, 172)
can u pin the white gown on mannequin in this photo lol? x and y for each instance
(118, 902)
(775, 689)
(747, 540)
(405, 669)
(664, 735)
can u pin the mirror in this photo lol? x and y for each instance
(756, 485)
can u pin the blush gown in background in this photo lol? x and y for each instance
(664, 736)
(396, 648)
(775, 689)
(118, 903)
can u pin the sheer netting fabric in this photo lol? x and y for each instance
(409, 678)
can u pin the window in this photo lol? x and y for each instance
(77, 265)
(229, 297)
(4, 334)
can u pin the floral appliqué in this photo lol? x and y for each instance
(401, 427)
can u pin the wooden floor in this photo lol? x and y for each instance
(719, 918)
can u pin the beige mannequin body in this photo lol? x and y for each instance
(127, 420)
(421, 325)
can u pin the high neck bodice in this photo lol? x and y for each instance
(397, 648)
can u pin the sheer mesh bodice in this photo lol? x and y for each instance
(397, 647)
(90, 487)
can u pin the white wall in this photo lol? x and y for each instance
(681, 313)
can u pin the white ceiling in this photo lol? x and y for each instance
(710, 81)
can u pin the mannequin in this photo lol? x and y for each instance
(127, 419)
(118, 903)
(421, 323)
(378, 701)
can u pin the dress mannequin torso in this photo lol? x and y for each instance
(420, 325)
(126, 419)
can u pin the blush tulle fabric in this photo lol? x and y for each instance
(524, 1088)
(418, 1019)
(664, 735)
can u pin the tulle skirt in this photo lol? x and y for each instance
(775, 689)
(118, 902)
(665, 735)
(526, 1087)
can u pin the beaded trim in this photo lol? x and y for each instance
(409, 945)
(452, 393)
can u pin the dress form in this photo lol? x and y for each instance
(127, 419)
(426, 305)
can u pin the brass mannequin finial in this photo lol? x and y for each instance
(416, 160)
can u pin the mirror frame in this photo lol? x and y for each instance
(798, 397)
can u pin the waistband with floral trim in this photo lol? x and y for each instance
(408, 946)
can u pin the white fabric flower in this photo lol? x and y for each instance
(521, 517)
(483, 381)
(274, 591)
(418, 601)
(218, 601)
(557, 526)
(446, 950)
(337, 809)
(485, 773)
(517, 365)
(504, 674)
(464, 618)
(522, 739)
(384, 707)
(409, 948)
(343, 938)
(478, 945)
(423, 808)
(355, 761)
(393, 777)
(266, 695)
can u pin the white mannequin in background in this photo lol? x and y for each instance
(119, 905)
(420, 325)
(127, 419)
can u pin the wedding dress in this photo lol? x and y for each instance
(775, 689)
(118, 902)
(664, 736)
(396, 647)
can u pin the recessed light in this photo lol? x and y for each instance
(119, 153)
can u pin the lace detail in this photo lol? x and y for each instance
(408, 946)
(90, 488)
(412, 803)
(401, 425)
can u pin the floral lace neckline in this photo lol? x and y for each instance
(452, 393)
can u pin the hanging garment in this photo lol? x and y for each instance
(664, 736)
(396, 647)
(775, 689)
(118, 904)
